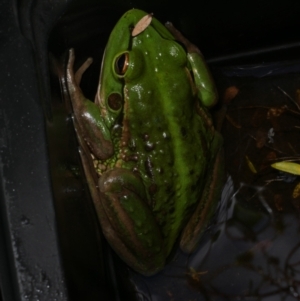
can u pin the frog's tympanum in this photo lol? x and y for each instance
(151, 156)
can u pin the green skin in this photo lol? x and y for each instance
(155, 152)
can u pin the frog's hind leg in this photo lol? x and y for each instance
(126, 220)
(205, 209)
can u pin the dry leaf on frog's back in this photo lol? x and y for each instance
(142, 25)
(229, 94)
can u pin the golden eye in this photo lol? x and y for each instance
(121, 63)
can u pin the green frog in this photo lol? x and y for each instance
(151, 156)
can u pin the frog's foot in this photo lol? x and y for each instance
(82, 69)
(75, 79)
(193, 231)
(127, 221)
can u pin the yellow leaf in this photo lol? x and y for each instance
(286, 166)
(250, 165)
(296, 192)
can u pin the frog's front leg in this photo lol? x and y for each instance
(214, 180)
(127, 221)
(119, 195)
(90, 125)
(204, 82)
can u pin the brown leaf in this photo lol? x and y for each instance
(229, 94)
(278, 202)
(271, 156)
(141, 25)
(261, 138)
(276, 112)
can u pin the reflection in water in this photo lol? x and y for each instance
(252, 249)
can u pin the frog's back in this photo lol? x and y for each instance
(182, 186)
(168, 137)
(172, 143)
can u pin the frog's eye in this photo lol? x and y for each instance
(121, 63)
(115, 101)
(128, 65)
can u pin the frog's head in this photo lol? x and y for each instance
(136, 52)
